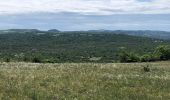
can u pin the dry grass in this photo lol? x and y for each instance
(84, 81)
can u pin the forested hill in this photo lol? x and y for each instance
(143, 33)
(151, 34)
(71, 46)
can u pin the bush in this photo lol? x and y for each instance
(124, 56)
(162, 52)
(133, 57)
(7, 59)
(36, 60)
(26, 59)
(147, 58)
(146, 68)
(50, 60)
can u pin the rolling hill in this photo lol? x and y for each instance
(78, 46)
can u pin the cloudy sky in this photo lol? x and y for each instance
(85, 14)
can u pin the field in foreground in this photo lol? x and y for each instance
(84, 81)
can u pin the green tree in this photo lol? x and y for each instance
(162, 52)
(124, 56)
(147, 57)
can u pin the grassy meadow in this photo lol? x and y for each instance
(84, 81)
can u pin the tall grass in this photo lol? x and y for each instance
(84, 81)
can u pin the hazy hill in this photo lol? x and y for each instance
(53, 30)
(147, 33)
(143, 33)
(19, 31)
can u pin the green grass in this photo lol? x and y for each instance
(84, 81)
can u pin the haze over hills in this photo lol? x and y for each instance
(143, 33)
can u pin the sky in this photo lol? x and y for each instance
(85, 14)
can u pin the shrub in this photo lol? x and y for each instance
(133, 57)
(162, 52)
(36, 60)
(7, 59)
(50, 60)
(26, 59)
(147, 58)
(146, 68)
(124, 56)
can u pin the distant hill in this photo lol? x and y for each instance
(147, 33)
(20, 31)
(53, 30)
(143, 33)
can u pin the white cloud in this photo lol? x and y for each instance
(95, 7)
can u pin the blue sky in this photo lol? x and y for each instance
(85, 14)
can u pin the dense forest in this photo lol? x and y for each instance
(55, 46)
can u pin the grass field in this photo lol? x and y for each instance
(84, 81)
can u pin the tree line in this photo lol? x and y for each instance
(160, 53)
